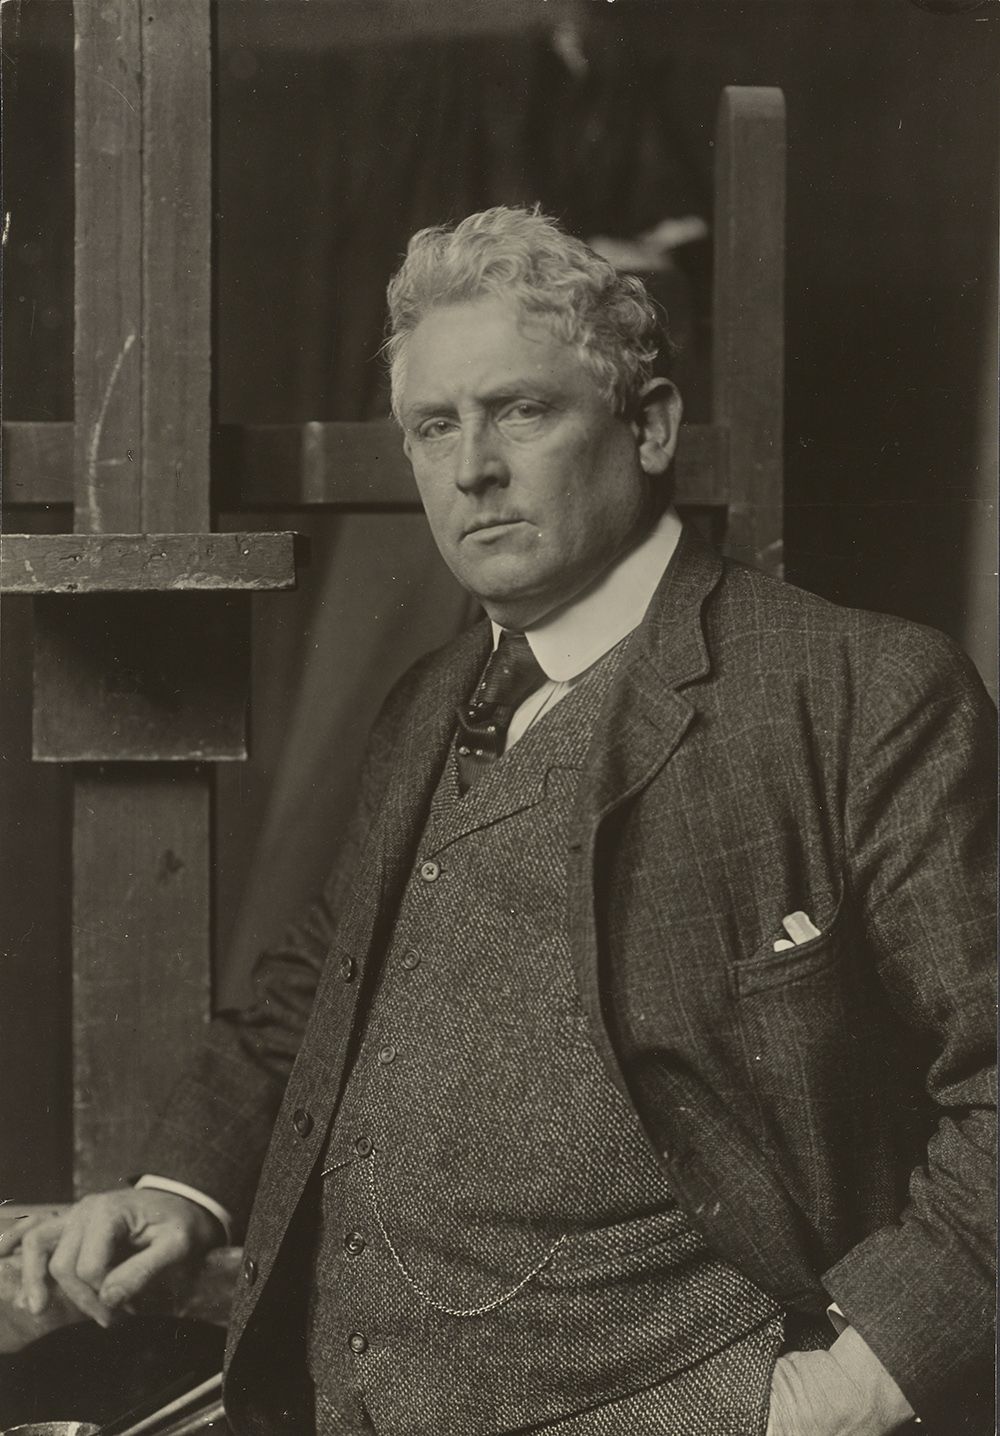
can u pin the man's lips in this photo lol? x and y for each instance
(492, 521)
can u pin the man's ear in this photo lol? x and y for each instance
(407, 446)
(656, 423)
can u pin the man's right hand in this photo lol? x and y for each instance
(107, 1247)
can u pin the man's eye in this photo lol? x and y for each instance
(435, 429)
(523, 410)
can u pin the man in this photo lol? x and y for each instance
(642, 1035)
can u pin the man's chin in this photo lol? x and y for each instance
(520, 607)
(514, 609)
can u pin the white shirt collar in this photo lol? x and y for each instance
(575, 637)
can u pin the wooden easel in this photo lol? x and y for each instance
(142, 612)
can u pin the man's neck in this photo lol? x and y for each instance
(571, 638)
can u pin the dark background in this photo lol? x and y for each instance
(340, 129)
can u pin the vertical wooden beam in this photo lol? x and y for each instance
(749, 317)
(141, 956)
(176, 261)
(140, 969)
(108, 288)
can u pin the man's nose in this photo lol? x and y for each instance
(480, 460)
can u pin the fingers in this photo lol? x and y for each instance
(10, 1240)
(107, 1248)
(63, 1267)
(101, 1238)
(74, 1251)
(38, 1240)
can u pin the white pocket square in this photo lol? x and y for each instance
(800, 928)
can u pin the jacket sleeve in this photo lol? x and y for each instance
(213, 1132)
(921, 837)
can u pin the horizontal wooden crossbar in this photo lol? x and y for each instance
(146, 563)
(291, 466)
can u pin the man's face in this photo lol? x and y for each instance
(532, 486)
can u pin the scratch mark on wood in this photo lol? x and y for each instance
(93, 447)
(118, 92)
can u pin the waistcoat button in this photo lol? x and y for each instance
(430, 871)
(302, 1121)
(249, 1270)
(410, 959)
(354, 1243)
(387, 1054)
(357, 1343)
(347, 968)
(363, 1146)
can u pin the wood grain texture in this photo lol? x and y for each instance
(748, 310)
(139, 675)
(108, 286)
(141, 916)
(176, 265)
(147, 563)
(37, 464)
(141, 678)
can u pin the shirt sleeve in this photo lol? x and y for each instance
(181, 1189)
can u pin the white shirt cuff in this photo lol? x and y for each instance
(848, 1348)
(180, 1189)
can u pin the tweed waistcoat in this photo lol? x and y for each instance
(497, 1243)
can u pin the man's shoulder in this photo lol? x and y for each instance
(756, 619)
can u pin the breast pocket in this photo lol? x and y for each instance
(766, 969)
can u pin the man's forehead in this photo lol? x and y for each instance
(487, 341)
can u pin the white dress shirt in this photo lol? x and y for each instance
(576, 636)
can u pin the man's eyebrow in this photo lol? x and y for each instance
(413, 413)
(519, 387)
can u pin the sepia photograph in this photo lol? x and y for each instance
(498, 679)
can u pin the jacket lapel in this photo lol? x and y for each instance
(647, 714)
(642, 726)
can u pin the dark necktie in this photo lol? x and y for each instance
(511, 674)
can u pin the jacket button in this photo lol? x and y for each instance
(302, 1121)
(430, 871)
(363, 1146)
(249, 1270)
(387, 1054)
(354, 1243)
(410, 960)
(347, 968)
(357, 1343)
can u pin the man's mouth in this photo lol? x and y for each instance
(492, 521)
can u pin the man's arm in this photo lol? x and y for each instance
(921, 836)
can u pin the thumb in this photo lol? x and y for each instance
(128, 1279)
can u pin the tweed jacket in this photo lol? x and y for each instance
(823, 1113)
